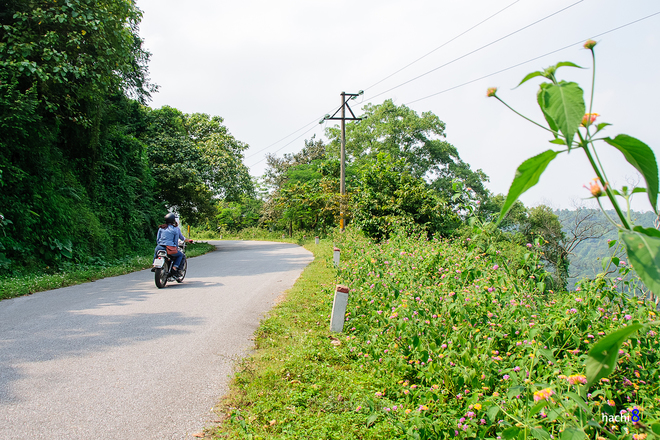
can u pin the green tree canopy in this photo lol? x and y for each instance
(71, 52)
(387, 193)
(419, 141)
(195, 160)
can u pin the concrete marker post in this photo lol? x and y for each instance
(336, 256)
(339, 309)
(316, 240)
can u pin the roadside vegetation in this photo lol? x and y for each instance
(444, 339)
(28, 283)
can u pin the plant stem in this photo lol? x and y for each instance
(624, 222)
(525, 117)
(607, 216)
(593, 86)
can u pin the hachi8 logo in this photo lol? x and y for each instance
(623, 417)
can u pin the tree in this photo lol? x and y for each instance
(277, 172)
(195, 160)
(543, 223)
(400, 132)
(304, 189)
(73, 52)
(74, 179)
(490, 208)
(388, 194)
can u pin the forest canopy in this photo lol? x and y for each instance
(87, 170)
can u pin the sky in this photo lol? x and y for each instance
(272, 69)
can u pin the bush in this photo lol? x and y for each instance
(475, 346)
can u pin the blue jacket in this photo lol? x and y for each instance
(169, 236)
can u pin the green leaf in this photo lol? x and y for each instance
(528, 77)
(511, 432)
(603, 355)
(492, 413)
(640, 156)
(564, 104)
(540, 433)
(514, 391)
(602, 125)
(553, 414)
(643, 249)
(538, 407)
(656, 428)
(548, 355)
(573, 434)
(540, 98)
(568, 64)
(527, 175)
(558, 141)
(372, 418)
(579, 400)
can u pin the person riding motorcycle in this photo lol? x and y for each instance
(169, 234)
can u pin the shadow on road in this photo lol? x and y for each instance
(41, 328)
(248, 258)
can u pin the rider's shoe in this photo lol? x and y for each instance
(153, 269)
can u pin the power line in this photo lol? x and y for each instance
(460, 85)
(532, 59)
(287, 144)
(442, 45)
(476, 50)
(373, 85)
(288, 135)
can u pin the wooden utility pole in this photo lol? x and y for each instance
(343, 119)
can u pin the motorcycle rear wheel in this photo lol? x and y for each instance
(183, 269)
(161, 276)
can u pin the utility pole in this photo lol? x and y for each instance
(343, 119)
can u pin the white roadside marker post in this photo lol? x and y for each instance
(335, 256)
(316, 240)
(339, 309)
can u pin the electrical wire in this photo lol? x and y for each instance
(533, 59)
(285, 145)
(315, 121)
(386, 78)
(442, 45)
(476, 50)
(450, 62)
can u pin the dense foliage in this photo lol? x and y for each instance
(75, 180)
(398, 166)
(86, 170)
(195, 161)
(474, 348)
(418, 140)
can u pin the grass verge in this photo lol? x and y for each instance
(26, 284)
(298, 383)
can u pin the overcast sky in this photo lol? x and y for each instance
(271, 68)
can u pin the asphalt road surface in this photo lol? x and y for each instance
(120, 359)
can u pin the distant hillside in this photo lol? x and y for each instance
(586, 260)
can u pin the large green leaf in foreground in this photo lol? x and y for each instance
(643, 249)
(640, 155)
(563, 105)
(527, 175)
(603, 355)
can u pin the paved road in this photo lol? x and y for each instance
(121, 359)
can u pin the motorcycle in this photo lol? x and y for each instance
(163, 267)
